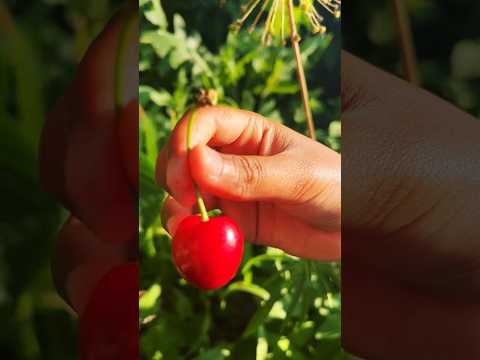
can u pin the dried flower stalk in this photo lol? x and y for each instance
(276, 12)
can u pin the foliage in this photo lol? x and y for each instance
(36, 64)
(278, 306)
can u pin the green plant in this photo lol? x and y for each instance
(36, 66)
(277, 304)
(275, 25)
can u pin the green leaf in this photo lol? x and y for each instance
(330, 328)
(261, 314)
(151, 197)
(248, 100)
(267, 107)
(178, 57)
(183, 305)
(217, 353)
(262, 345)
(147, 173)
(161, 41)
(285, 88)
(465, 60)
(160, 98)
(274, 78)
(28, 84)
(148, 141)
(299, 280)
(260, 259)
(335, 129)
(179, 26)
(150, 297)
(248, 288)
(303, 333)
(155, 15)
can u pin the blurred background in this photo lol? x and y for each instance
(447, 40)
(41, 42)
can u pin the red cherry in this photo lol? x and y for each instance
(108, 328)
(208, 253)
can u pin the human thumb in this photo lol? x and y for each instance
(240, 177)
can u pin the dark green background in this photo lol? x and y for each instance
(447, 39)
(41, 43)
(38, 63)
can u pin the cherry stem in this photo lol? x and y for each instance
(200, 203)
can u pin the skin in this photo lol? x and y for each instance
(411, 269)
(79, 160)
(80, 260)
(411, 240)
(278, 185)
(411, 274)
(89, 160)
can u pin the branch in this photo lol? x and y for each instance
(406, 41)
(295, 38)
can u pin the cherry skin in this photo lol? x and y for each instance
(208, 253)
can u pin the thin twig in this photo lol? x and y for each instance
(406, 41)
(295, 38)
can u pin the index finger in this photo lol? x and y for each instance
(215, 126)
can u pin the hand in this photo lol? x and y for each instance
(411, 240)
(282, 188)
(89, 160)
(80, 261)
(80, 161)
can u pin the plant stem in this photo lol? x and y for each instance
(295, 39)
(406, 41)
(200, 203)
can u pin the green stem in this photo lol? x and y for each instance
(200, 203)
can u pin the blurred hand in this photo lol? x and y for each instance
(80, 260)
(80, 158)
(89, 161)
(410, 234)
(282, 188)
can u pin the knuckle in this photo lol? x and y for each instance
(304, 185)
(249, 175)
(309, 183)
